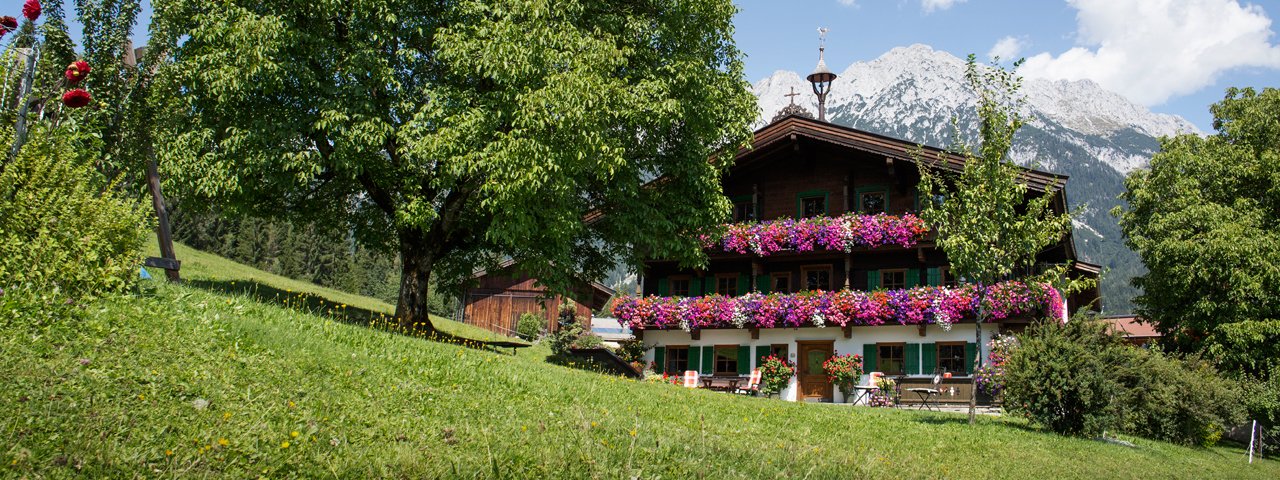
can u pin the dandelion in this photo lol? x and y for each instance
(284, 444)
(223, 442)
(168, 453)
(294, 434)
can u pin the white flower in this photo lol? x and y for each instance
(200, 404)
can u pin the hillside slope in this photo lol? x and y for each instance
(185, 382)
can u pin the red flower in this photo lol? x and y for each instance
(9, 23)
(77, 71)
(31, 10)
(76, 98)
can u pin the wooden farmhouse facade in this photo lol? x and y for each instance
(502, 295)
(802, 170)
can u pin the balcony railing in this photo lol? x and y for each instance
(914, 306)
(843, 233)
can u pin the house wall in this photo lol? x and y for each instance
(860, 336)
(501, 298)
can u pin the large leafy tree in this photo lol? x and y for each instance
(457, 132)
(1205, 218)
(988, 223)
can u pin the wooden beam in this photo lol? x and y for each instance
(755, 333)
(922, 329)
(696, 334)
(848, 331)
(168, 264)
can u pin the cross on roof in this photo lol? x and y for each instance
(792, 95)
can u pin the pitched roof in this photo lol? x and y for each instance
(1132, 326)
(508, 263)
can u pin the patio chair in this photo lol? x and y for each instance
(753, 384)
(929, 396)
(691, 379)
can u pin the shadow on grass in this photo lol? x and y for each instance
(943, 418)
(320, 306)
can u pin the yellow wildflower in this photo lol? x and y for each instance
(284, 444)
(293, 434)
(224, 442)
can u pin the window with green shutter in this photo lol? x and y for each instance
(761, 352)
(935, 276)
(869, 357)
(708, 360)
(660, 359)
(763, 283)
(744, 283)
(662, 287)
(913, 277)
(912, 359)
(970, 351)
(951, 357)
(929, 363)
(873, 280)
(695, 359)
(744, 359)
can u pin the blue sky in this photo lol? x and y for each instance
(1174, 56)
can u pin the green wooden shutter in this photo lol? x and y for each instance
(873, 280)
(660, 358)
(970, 351)
(761, 352)
(744, 359)
(708, 360)
(913, 277)
(695, 353)
(662, 287)
(930, 362)
(912, 361)
(695, 286)
(744, 283)
(935, 276)
(764, 283)
(869, 357)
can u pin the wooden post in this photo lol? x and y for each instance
(162, 216)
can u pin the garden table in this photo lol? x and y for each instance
(864, 392)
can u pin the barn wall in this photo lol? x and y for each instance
(499, 300)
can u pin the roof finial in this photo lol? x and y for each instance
(792, 95)
(821, 77)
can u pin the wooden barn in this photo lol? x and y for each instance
(503, 294)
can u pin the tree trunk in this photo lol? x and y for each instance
(416, 261)
(973, 377)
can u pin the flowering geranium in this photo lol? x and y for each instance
(77, 71)
(775, 374)
(31, 10)
(990, 377)
(842, 233)
(844, 371)
(76, 98)
(914, 306)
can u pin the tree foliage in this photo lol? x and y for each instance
(1205, 218)
(459, 132)
(988, 224)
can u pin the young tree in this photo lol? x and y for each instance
(459, 132)
(1205, 218)
(988, 225)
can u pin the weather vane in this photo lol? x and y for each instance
(822, 37)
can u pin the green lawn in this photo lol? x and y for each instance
(192, 383)
(212, 272)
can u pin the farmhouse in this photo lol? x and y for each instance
(826, 257)
(500, 296)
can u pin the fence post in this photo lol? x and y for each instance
(1253, 431)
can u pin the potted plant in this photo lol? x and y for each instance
(844, 371)
(775, 374)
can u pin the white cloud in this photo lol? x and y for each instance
(1006, 48)
(930, 6)
(848, 3)
(1153, 50)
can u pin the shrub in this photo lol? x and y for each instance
(1081, 379)
(632, 350)
(1177, 400)
(1060, 376)
(530, 326)
(589, 340)
(775, 374)
(64, 230)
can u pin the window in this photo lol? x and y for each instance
(778, 350)
(815, 277)
(948, 280)
(679, 286)
(727, 284)
(889, 358)
(744, 211)
(951, 357)
(815, 206)
(781, 282)
(677, 359)
(726, 360)
(873, 202)
(893, 279)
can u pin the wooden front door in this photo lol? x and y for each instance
(814, 385)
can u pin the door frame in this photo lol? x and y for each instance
(829, 395)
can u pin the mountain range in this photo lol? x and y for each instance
(1075, 128)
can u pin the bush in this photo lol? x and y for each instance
(64, 230)
(632, 351)
(1060, 377)
(775, 374)
(530, 326)
(565, 338)
(589, 340)
(1081, 379)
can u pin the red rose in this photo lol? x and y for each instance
(31, 10)
(76, 98)
(77, 71)
(9, 23)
